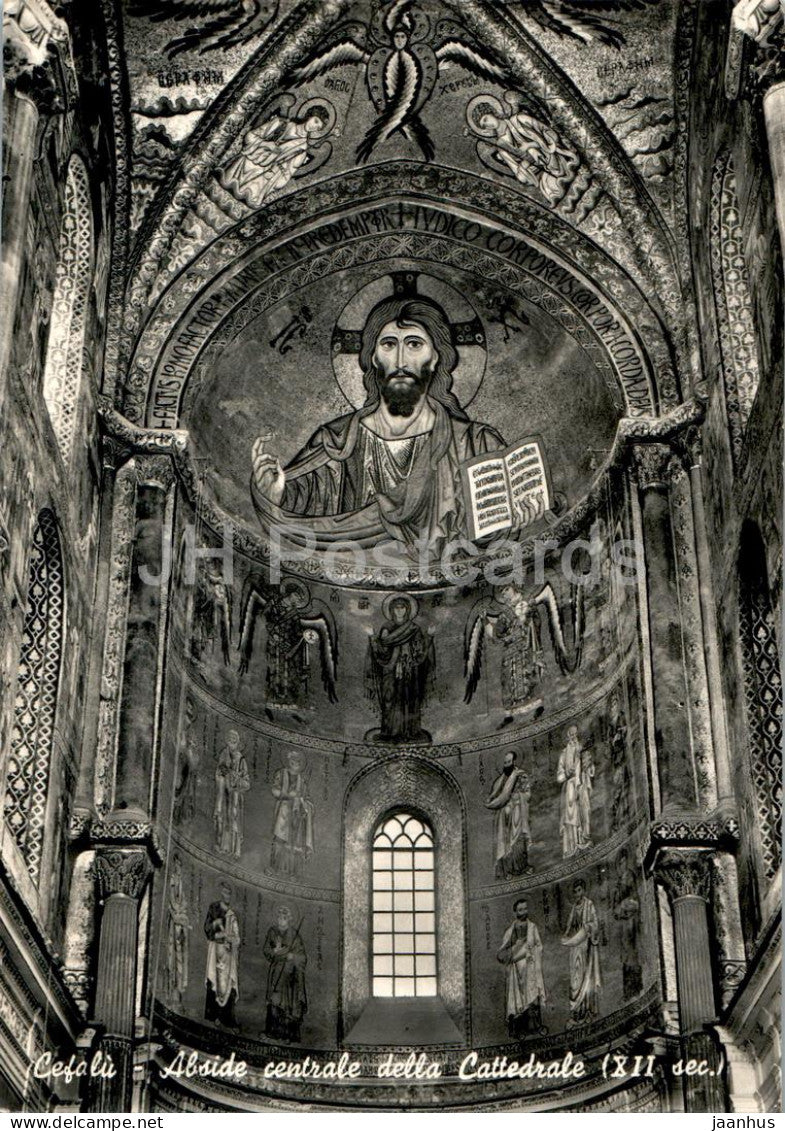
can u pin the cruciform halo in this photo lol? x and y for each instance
(467, 330)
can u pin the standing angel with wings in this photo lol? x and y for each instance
(514, 619)
(401, 69)
(295, 624)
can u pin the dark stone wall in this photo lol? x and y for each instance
(33, 475)
(746, 488)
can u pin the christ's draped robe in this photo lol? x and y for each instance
(509, 799)
(521, 953)
(382, 489)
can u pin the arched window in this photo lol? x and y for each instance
(64, 355)
(404, 913)
(762, 692)
(733, 303)
(40, 660)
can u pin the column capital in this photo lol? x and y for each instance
(651, 465)
(33, 39)
(122, 871)
(685, 872)
(155, 471)
(755, 58)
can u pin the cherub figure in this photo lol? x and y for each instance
(401, 69)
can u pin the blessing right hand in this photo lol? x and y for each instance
(269, 476)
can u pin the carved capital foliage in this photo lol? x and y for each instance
(113, 453)
(158, 471)
(756, 48)
(37, 61)
(122, 871)
(652, 465)
(685, 872)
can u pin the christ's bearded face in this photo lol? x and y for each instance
(405, 357)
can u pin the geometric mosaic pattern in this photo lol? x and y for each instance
(65, 350)
(735, 318)
(40, 661)
(763, 693)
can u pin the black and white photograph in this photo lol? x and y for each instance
(391, 464)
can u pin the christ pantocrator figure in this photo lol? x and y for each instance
(396, 460)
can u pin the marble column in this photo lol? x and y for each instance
(685, 873)
(675, 768)
(708, 607)
(121, 875)
(145, 634)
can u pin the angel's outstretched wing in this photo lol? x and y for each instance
(486, 610)
(338, 54)
(547, 599)
(581, 19)
(318, 618)
(452, 49)
(256, 597)
(217, 23)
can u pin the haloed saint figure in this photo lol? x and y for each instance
(399, 672)
(396, 460)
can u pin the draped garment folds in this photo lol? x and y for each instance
(399, 675)
(223, 933)
(329, 483)
(521, 953)
(509, 799)
(583, 940)
(287, 1001)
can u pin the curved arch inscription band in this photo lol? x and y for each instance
(183, 338)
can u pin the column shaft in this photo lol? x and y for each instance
(676, 770)
(709, 618)
(18, 176)
(140, 673)
(114, 1000)
(121, 874)
(693, 962)
(774, 113)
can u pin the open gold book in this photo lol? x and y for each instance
(508, 488)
